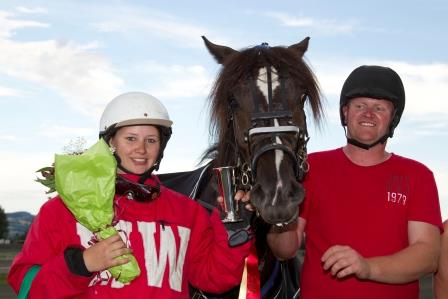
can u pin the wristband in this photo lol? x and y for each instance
(75, 261)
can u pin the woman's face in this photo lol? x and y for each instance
(137, 147)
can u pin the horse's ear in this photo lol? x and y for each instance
(300, 48)
(220, 53)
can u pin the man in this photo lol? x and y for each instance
(371, 218)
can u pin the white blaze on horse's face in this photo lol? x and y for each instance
(262, 83)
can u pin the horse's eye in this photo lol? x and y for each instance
(305, 97)
(233, 103)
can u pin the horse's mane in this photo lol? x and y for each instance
(238, 67)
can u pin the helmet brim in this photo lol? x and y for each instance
(145, 121)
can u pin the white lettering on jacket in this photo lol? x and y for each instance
(155, 263)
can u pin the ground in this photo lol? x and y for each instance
(7, 253)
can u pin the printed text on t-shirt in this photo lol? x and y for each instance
(395, 197)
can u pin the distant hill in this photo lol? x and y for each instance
(19, 222)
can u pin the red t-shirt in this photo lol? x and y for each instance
(174, 240)
(367, 208)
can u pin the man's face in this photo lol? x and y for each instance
(368, 119)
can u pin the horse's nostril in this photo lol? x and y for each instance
(295, 195)
(256, 195)
(294, 192)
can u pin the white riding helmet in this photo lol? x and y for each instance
(133, 108)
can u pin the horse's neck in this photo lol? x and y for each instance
(206, 191)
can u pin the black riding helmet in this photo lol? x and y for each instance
(374, 82)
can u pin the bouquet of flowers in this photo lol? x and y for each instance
(86, 184)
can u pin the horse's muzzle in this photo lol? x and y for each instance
(280, 205)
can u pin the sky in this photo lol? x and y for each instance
(62, 61)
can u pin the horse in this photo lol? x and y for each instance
(259, 126)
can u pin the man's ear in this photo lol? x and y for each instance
(344, 113)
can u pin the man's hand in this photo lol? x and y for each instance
(343, 261)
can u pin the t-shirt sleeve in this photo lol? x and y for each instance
(424, 205)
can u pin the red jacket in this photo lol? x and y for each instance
(174, 239)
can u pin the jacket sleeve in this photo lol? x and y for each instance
(215, 266)
(45, 243)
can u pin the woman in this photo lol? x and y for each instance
(175, 241)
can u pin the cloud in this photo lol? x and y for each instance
(326, 25)
(174, 81)
(437, 125)
(8, 138)
(58, 132)
(426, 86)
(83, 78)
(9, 92)
(31, 10)
(8, 24)
(152, 24)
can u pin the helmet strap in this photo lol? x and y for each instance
(120, 166)
(365, 146)
(142, 177)
(146, 175)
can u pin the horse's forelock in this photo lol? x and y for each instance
(248, 61)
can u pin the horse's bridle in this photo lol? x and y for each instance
(298, 154)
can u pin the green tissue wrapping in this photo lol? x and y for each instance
(86, 184)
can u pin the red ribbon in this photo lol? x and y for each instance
(251, 276)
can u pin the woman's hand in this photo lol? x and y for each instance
(242, 196)
(103, 255)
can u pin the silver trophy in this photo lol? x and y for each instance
(226, 188)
